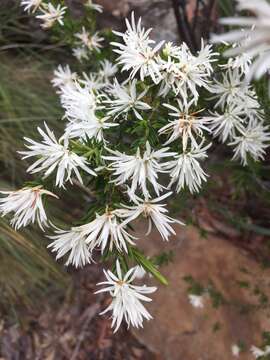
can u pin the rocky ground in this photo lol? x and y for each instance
(234, 288)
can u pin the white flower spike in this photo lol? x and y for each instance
(126, 298)
(55, 155)
(155, 213)
(107, 230)
(74, 242)
(186, 170)
(255, 40)
(188, 124)
(136, 54)
(31, 5)
(51, 15)
(63, 76)
(141, 169)
(126, 99)
(91, 42)
(252, 141)
(27, 206)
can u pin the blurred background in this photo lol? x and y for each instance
(49, 312)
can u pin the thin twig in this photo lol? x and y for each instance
(92, 312)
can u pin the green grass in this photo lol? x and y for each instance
(26, 100)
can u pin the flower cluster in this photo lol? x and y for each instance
(49, 14)
(253, 41)
(134, 142)
(238, 119)
(86, 43)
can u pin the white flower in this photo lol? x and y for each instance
(187, 126)
(107, 230)
(225, 125)
(231, 89)
(27, 206)
(125, 99)
(107, 69)
(96, 7)
(91, 42)
(184, 72)
(126, 298)
(63, 76)
(255, 40)
(28, 4)
(136, 55)
(253, 141)
(52, 154)
(236, 350)
(80, 53)
(80, 102)
(52, 14)
(242, 62)
(93, 81)
(186, 170)
(196, 301)
(154, 212)
(138, 168)
(257, 352)
(74, 242)
(92, 128)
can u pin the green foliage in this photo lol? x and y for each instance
(26, 100)
(26, 268)
(226, 7)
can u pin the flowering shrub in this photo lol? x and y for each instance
(136, 131)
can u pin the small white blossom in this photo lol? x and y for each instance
(253, 141)
(126, 298)
(242, 62)
(27, 206)
(93, 81)
(136, 54)
(138, 168)
(74, 242)
(52, 14)
(186, 170)
(108, 69)
(196, 301)
(108, 230)
(92, 128)
(184, 72)
(255, 40)
(80, 53)
(63, 76)
(187, 126)
(232, 89)
(54, 155)
(31, 4)
(125, 99)
(154, 212)
(96, 7)
(225, 125)
(91, 42)
(236, 350)
(79, 102)
(257, 352)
